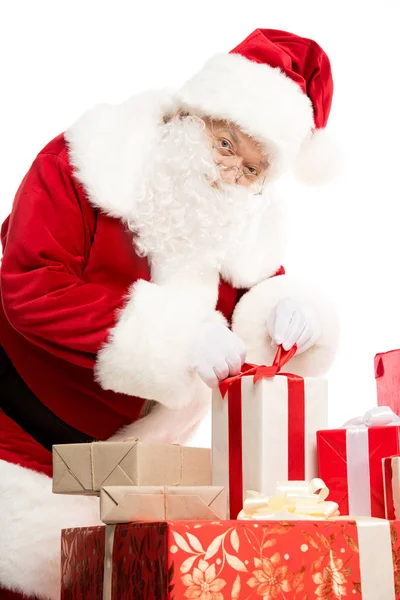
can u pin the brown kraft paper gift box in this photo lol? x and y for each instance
(124, 504)
(85, 468)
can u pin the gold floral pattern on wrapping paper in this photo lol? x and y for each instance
(331, 580)
(203, 584)
(254, 560)
(269, 578)
(209, 590)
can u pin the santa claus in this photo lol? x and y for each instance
(142, 261)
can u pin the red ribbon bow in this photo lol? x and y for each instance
(233, 386)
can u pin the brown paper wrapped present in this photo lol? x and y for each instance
(123, 504)
(85, 468)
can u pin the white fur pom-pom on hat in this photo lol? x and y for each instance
(319, 159)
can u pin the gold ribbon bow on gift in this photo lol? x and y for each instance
(293, 499)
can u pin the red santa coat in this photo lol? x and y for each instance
(67, 269)
(65, 272)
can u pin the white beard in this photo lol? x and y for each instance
(182, 222)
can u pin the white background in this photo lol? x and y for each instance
(59, 58)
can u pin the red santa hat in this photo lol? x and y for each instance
(277, 87)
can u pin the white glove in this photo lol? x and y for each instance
(217, 353)
(290, 323)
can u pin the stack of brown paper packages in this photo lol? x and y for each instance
(140, 482)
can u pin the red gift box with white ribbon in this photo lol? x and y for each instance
(350, 461)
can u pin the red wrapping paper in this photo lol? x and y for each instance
(390, 512)
(391, 480)
(82, 563)
(295, 560)
(333, 464)
(387, 375)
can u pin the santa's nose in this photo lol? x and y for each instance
(233, 174)
(230, 175)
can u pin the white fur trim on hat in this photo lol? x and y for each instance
(31, 519)
(147, 354)
(251, 315)
(261, 100)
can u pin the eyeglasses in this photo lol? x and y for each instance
(226, 154)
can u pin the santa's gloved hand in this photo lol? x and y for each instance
(291, 322)
(217, 353)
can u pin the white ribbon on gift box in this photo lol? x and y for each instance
(376, 564)
(357, 451)
(375, 550)
(108, 555)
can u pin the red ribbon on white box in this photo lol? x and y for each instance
(296, 422)
(357, 451)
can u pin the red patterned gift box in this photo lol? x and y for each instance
(291, 560)
(387, 375)
(350, 461)
(82, 563)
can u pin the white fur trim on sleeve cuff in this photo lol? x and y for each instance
(250, 323)
(147, 351)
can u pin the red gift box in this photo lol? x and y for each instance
(391, 481)
(387, 375)
(350, 464)
(294, 560)
(82, 563)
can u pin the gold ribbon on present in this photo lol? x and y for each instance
(293, 499)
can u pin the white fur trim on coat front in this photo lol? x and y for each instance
(262, 100)
(147, 354)
(109, 145)
(167, 426)
(250, 323)
(31, 519)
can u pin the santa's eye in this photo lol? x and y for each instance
(226, 145)
(251, 171)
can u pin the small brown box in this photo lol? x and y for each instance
(124, 504)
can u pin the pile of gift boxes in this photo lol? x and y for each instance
(281, 507)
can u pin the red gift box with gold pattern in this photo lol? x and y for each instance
(387, 375)
(291, 560)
